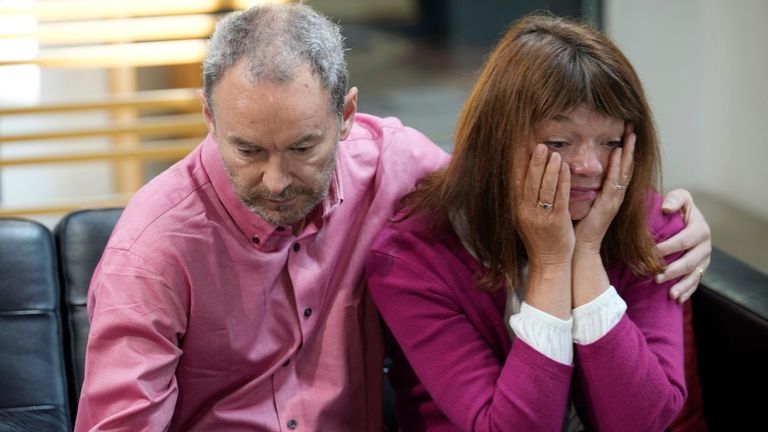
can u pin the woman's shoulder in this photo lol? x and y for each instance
(661, 225)
(413, 233)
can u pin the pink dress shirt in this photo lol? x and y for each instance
(205, 317)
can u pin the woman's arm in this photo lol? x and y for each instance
(628, 373)
(590, 279)
(540, 193)
(632, 378)
(453, 337)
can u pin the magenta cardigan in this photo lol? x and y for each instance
(455, 368)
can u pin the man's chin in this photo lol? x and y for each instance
(276, 217)
(281, 216)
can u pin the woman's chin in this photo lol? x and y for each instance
(579, 211)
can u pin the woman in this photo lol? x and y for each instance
(518, 281)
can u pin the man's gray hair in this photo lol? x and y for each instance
(276, 40)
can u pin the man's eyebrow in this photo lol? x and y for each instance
(240, 141)
(308, 137)
(243, 142)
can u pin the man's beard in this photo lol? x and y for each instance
(308, 197)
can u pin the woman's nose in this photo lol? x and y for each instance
(586, 162)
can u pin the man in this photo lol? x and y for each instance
(230, 295)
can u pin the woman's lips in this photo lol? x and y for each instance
(584, 194)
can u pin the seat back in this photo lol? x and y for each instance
(731, 323)
(80, 238)
(33, 382)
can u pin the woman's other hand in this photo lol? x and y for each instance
(590, 278)
(695, 239)
(591, 230)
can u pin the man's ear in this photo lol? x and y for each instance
(207, 113)
(348, 113)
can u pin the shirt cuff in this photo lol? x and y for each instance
(593, 320)
(545, 333)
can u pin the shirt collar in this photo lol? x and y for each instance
(252, 225)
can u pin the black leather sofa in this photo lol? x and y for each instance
(33, 384)
(43, 327)
(80, 240)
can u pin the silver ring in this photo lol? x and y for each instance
(545, 206)
(620, 186)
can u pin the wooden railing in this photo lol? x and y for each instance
(139, 128)
(118, 37)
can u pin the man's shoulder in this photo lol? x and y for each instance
(164, 205)
(391, 147)
(389, 133)
(368, 126)
(420, 233)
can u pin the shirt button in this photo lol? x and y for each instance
(296, 247)
(292, 424)
(308, 312)
(256, 240)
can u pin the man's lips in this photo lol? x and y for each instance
(584, 193)
(279, 203)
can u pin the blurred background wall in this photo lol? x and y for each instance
(703, 64)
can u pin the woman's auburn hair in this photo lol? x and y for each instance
(544, 66)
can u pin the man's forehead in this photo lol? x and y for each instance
(260, 141)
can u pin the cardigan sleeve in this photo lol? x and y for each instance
(417, 289)
(632, 378)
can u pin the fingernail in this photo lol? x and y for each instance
(667, 203)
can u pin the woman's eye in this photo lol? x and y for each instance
(555, 145)
(615, 143)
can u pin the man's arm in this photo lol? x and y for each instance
(132, 352)
(695, 239)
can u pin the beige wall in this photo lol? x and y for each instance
(704, 65)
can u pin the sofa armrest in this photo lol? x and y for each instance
(731, 324)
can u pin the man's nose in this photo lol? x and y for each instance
(586, 162)
(276, 175)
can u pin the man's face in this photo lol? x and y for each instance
(278, 141)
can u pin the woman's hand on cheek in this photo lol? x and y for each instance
(540, 197)
(591, 230)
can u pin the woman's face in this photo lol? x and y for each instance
(584, 140)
